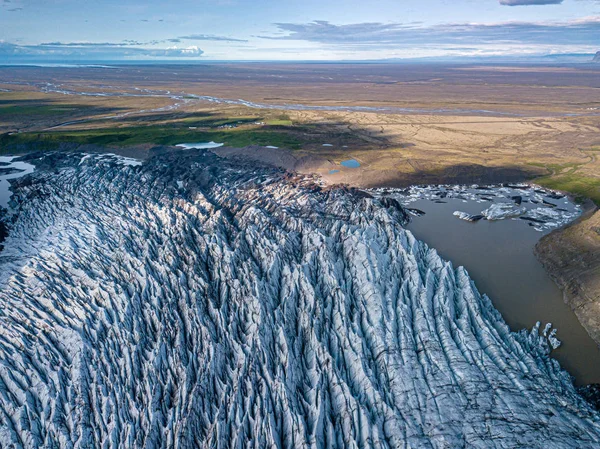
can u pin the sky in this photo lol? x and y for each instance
(185, 30)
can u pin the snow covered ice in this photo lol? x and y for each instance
(501, 211)
(252, 309)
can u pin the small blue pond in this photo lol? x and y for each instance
(332, 172)
(350, 163)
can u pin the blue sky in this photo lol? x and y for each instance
(294, 30)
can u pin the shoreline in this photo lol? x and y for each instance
(571, 256)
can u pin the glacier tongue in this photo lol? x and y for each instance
(252, 309)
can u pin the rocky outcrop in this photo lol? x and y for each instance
(596, 57)
(572, 257)
(196, 302)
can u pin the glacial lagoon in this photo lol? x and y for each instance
(498, 254)
(11, 170)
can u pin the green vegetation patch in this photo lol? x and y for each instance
(212, 121)
(8, 110)
(580, 186)
(279, 122)
(159, 135)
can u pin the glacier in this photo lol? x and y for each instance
(193, 301)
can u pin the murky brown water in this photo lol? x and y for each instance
(499, 257)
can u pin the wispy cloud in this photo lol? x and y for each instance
(9, 6)
(92, 51)
(210, 37)
(584, 31)
(125, 43)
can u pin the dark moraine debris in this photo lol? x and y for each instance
(9, 171)
(468, 217)
(534, 220)
(396, 209)
(358, 193)
(514, 186)
(3, 233)
(518, 199)
(390, 202)
(592, 394)
(414, 211)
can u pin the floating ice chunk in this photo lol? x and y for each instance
(544, 218)
(543, 214)
(548, 333)
(501, 211)
(272, 147)
(467, 217)
(554, 342)
(415, 212)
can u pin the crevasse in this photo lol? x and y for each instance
(198, 302)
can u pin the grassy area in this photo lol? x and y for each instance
(580, 186)
(10, 110)
(213, 121)
(568, 178)
(159, 135)
(279, 122)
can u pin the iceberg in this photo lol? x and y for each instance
(467, 217)
(502, 211)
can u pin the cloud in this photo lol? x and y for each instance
(210, 37)
(584, 31)
(530, 2)
(174, 52)
(87, 44)
(125, 43)
(91, 51)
